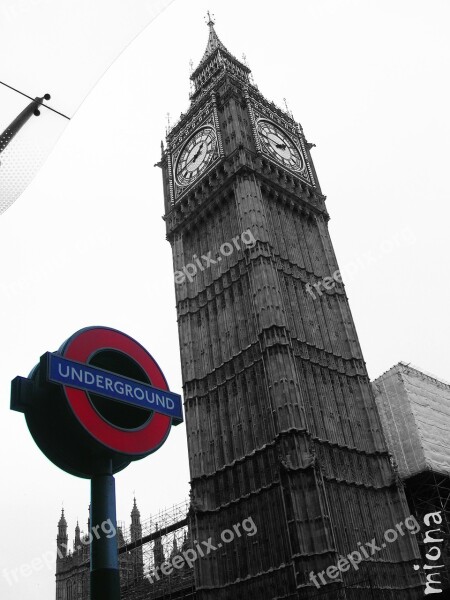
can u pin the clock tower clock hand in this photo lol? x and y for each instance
(272, 141)
(278, 144)
(269, 139)
(196, 155)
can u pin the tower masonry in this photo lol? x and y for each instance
(281, 420)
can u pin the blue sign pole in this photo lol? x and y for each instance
(104, 575)
(66, 404)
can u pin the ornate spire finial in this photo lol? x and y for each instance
(62, 521)
(215, 59)
(135, 511)
(289, 112)
(213, 40)
(191, 70)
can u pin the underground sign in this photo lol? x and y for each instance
(100, 396)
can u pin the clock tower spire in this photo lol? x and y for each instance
(283, 431)
(215, 58)
(213, 40)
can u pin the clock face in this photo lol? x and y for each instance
(195, 156)
(277, 144)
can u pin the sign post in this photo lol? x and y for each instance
(98, 403)
(104, 577)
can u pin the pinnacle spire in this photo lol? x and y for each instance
(213, 39)
(217, 61)
(135, 514)
(62, 521)
(77, 539)
(135, 510)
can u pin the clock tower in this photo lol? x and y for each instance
(282, 426)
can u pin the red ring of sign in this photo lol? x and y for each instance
(144, 440)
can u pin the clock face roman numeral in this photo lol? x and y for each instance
(195, 156)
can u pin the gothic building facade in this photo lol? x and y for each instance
(72, 565)
(281, 420)
(143, 547)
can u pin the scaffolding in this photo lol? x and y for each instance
(414, 408)
(163, 536)
(143, 548)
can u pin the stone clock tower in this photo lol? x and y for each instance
(281, 421)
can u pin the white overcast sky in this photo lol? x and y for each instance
(85, 244)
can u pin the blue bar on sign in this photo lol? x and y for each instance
(116, 387)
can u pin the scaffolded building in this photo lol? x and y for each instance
(414, 408)
(143, 548)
